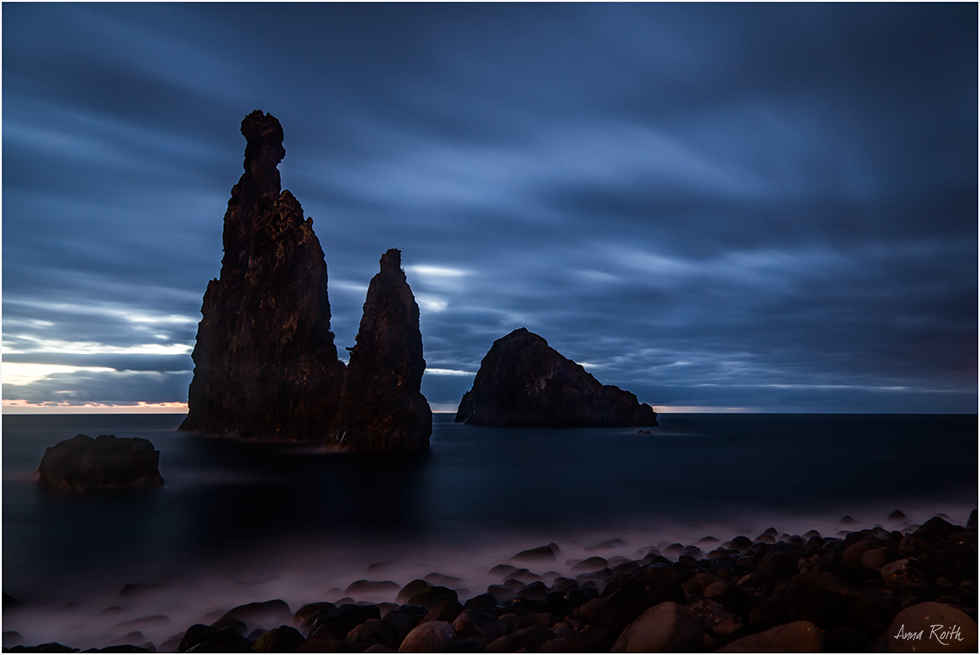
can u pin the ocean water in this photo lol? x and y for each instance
(237, 522)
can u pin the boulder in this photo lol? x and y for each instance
(716, 619)
(284, 639)
(265, 362)
(932, 627)
(523, 382)
(796, 637)
(535, 555)
(83, 465)
(667, 627)
(830, 602)
(479, 623)
(382, 406)
(370, 633)
(431, 637)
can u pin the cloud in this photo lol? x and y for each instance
(714, 205)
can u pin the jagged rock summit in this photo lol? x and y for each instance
(524, 382)
(266, 365)
(382, 407)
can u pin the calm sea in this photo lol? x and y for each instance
(238, 522)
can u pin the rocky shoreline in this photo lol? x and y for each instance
(860, 590)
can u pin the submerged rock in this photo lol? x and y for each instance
(84, 464)
(523, 382)
(266, 365)
(382, 406)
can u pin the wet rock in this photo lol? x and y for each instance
(609, 615)
(481, 602)
(307, 612)
(898, 515)
(431, 595)
(875, 558)
(667, 627)
(444, 580)
(222, 641)
(935, 529)
(537, 555)
(266, 366)
(852, 554)
(323, 644)
(770, 612)
(432, 637)
(502, 570)
(796, 637)
(267, 614)
(523, 382)
(410, 590)
(534, 591)
(479, 623)
(735, 599)
(372, 632)
(380, 588)
(971, 523)
(337, 623)
(83, 465)
(400, 623)
(445, 610)
(830, 602)
(902, 573)
(382, 408)
(590, 564)
(283, 639)
(713, 615)
(934, 627)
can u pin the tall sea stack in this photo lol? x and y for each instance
(524, 382)
(382, 407)
(266, 365)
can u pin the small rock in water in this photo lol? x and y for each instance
(898, 515)
(847, 520)
(539, 554)
(594, 563)
(502, 570)
(440, 579)
(83, 464)
(372, 587)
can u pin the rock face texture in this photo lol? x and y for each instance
(523, 382)
(382, 407)
(84, 464)
(266, 365)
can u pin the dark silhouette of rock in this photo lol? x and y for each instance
(84, 464)
(266, 365)
(523, 382)
(382, 407)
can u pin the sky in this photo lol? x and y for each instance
(734, 207)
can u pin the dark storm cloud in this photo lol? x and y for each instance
(762, 206)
